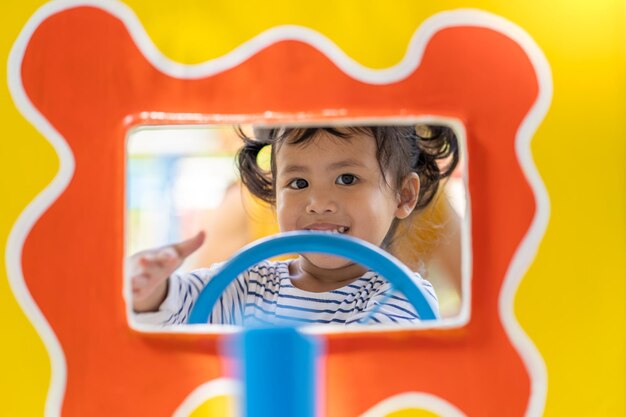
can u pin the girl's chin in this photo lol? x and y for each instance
(327, 261)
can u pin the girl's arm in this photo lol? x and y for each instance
(183, 293)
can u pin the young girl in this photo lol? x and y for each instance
(358, 181)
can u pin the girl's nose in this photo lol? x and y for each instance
(321, 202)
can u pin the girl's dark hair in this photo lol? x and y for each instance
(428, 150)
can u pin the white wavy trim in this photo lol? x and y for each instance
(413, 400)
(462, 17)
(207, 391)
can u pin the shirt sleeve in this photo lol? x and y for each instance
(183, 291)
(391, 306)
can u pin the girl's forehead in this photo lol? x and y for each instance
(324, 139)
(329, 145)
(327, 152)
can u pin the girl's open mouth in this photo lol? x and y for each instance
(339, 229)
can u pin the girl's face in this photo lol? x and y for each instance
(336, 185)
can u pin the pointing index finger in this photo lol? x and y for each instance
(187, 247)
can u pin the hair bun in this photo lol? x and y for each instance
(424, 131)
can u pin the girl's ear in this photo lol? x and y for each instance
(408, 193)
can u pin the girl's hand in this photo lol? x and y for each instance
(150, 269)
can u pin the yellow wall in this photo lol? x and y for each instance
(28, 163)
(571, 302)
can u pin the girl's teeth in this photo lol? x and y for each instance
(340, 230)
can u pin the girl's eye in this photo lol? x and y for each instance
(346, 179)
(298, 184)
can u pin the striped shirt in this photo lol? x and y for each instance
(264, 294)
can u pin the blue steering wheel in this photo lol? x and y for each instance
(357, 250)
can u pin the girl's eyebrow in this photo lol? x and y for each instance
(290, 169)
(344, 163)
(347, 163)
